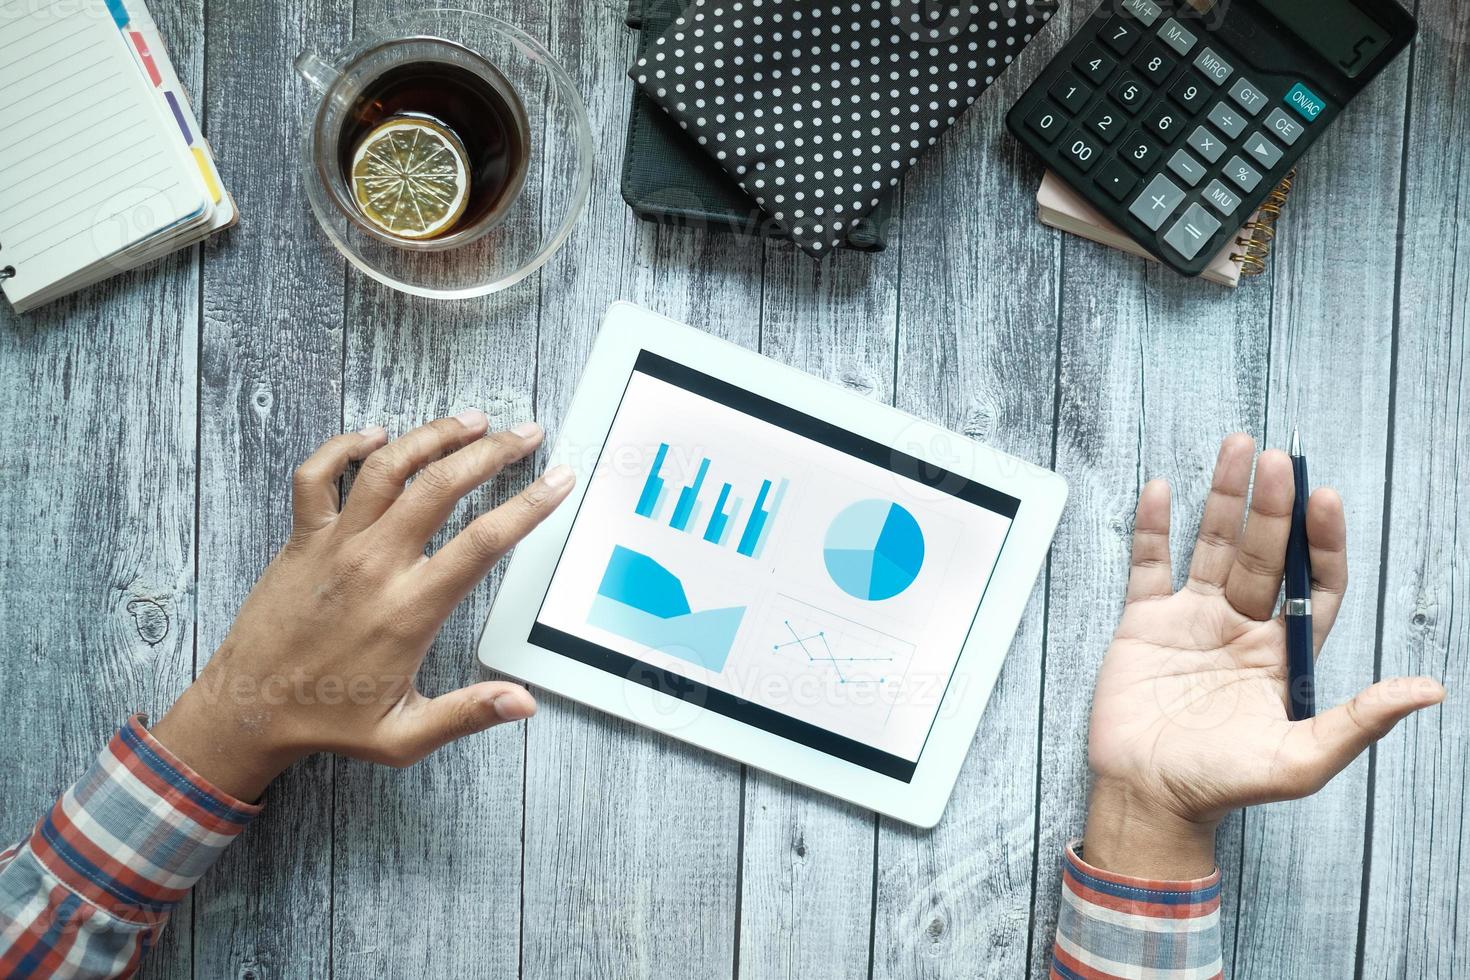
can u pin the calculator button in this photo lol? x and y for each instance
(1190, 91)
(1094, 65)
(1248, 97)
(1176, 37)
(1106, 121)
(1121, 34)
(1164, 122)
(1154, 62)
(1216, 68)
(1283, 127)
(1192, 232)
(1081, 150)
(1242, 174)
(1308, 104)
(1206, 143)
(1222, 200)
(1187, 168)
(1266, 153)
(1145, 10)
(1140, 151)
(1129, 91)
(1071, 92)
(1229, 122)
(1157, 202)
(1046, 121)
(1116, 179)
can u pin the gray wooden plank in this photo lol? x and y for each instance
(1332, 324)
(270, 391)
(977, 344)
(807, 866)
(1154, 370)
(1416, 919)
(444, 836)
(97, 467)
(630, 838)
(97, 582)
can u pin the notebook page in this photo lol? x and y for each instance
(88, 166)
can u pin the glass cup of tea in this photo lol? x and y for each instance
(447, 154)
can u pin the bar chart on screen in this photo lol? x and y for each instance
(690, 510)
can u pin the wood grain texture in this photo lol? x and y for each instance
(577, 846)
(1416, 918)
(1153, 371)
(976, 354)
(1332, 334)
(443, 837)
(631, 838)
(97, 477)
(269, 392)
(97, 581)
(807, 866)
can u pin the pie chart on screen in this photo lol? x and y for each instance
(874, 550)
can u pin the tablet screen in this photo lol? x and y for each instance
(773, 567)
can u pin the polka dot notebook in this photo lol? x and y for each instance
(817, 108)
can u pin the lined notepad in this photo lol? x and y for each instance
(100, 169)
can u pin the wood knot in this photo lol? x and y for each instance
(857, 383)
(936, 928)
(150, 620)
(800, 847)
(979, 422)
(262, 400)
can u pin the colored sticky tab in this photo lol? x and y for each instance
(207, 169)
(173, 104)
(146, 58)
(1308, 104)
(118, 11)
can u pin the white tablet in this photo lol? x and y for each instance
(774, 568)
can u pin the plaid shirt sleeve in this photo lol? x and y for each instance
(89, 891)
(1113, 926)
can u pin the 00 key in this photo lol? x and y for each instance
(1080, 150)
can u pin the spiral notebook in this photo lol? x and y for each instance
(1058, 206)
(103, 166)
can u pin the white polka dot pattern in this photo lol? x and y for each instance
(818, 107)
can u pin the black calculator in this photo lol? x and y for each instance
(1177, 119)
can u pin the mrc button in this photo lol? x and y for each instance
(1308, 104)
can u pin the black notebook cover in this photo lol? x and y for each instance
(670, 180)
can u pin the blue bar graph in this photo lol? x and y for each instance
(770, 518)
(718, 528)
(758, 517)
(684, 509)
(717, 520)
(652, 494)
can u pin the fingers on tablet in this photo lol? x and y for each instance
(431, 497)
(385, 472)
(468, 557)
(314, 499)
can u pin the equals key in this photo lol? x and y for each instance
(1192, 232)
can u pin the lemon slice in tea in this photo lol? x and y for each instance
(410, 177)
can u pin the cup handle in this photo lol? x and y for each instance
(318, 72)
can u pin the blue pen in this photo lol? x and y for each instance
(1301, 681)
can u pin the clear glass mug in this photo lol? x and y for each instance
(527, 223)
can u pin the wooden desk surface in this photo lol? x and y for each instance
(148, 429)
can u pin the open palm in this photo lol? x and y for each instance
(1189, 712)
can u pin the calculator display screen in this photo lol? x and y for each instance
(1336, 29)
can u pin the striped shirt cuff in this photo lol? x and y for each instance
(1112, 925)
(138, 829)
